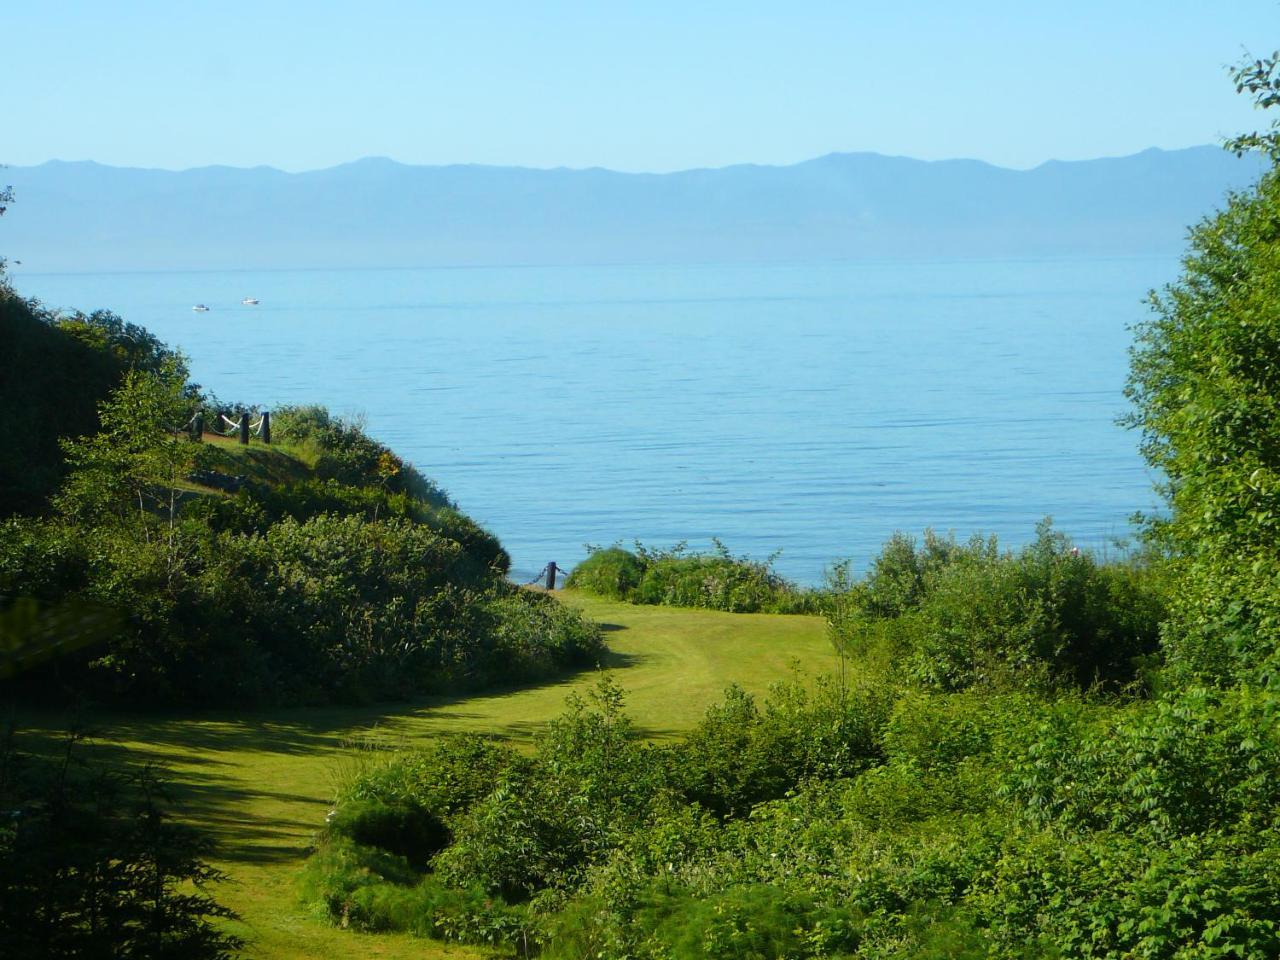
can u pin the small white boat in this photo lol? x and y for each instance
(250, 301)
(200, 308)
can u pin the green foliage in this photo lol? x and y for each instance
(353, 581)
(267, 504)
(740, 756)
(609, 572)
(933, 825)
(446, 778)
(680, 578)
(1204, 385)
(92, 866)
(130, 470)
(336, 607)
(68, 364)
(757, 922)
(349, 455)
(1261, 79)
(1116, 895)
(1184, 764)
(902, 575)
(959, 615)
(543, 824)
(406, 830)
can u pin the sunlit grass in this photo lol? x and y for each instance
(260, 781)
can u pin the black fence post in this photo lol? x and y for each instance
(266, 427)
(551, 575)
(244, 429)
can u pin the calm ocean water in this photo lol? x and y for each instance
(810, 409)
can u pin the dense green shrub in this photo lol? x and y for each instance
(740, 756)
(1185, 763)
(683, 578)
(336, 607)
(757, 921)
(447, 777)
(544, 824)
(68, 364)
(406, 830)
(965, 825)
(959, 615)
(547, 826)
(608, 572)
(308, 498)
(350, 456)
(1206, 392)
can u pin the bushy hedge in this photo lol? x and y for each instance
(861, 822)
(308, 498)
(682, 578)
(333, 607)
(952, 615)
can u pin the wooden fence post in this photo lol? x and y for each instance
(197, 426)
(244, 429)
(551, 575)
(266, 427)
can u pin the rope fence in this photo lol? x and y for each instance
(223, 426)
(547, 576)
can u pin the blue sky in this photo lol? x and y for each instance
(649, 86)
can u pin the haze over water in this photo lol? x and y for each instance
(811, 408)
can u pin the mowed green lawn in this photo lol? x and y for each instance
(261, 781)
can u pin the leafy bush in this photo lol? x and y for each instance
(609, 572)
(958, 615)
(350, 456)
(740, 756)
(405, 830)
(967, 825)
(760, 922)
(680, 578)
(446, 778)
(307, 498)
(69, 364)
(1204, 386)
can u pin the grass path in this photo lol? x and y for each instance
(261, 781)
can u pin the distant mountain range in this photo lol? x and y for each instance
(379, 213)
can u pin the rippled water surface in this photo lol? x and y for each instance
(806, 408)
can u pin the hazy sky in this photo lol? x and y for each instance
(651, 85)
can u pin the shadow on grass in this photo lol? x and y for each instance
(227, 771)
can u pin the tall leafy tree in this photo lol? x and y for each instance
(134, 465)
(1205, 387)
